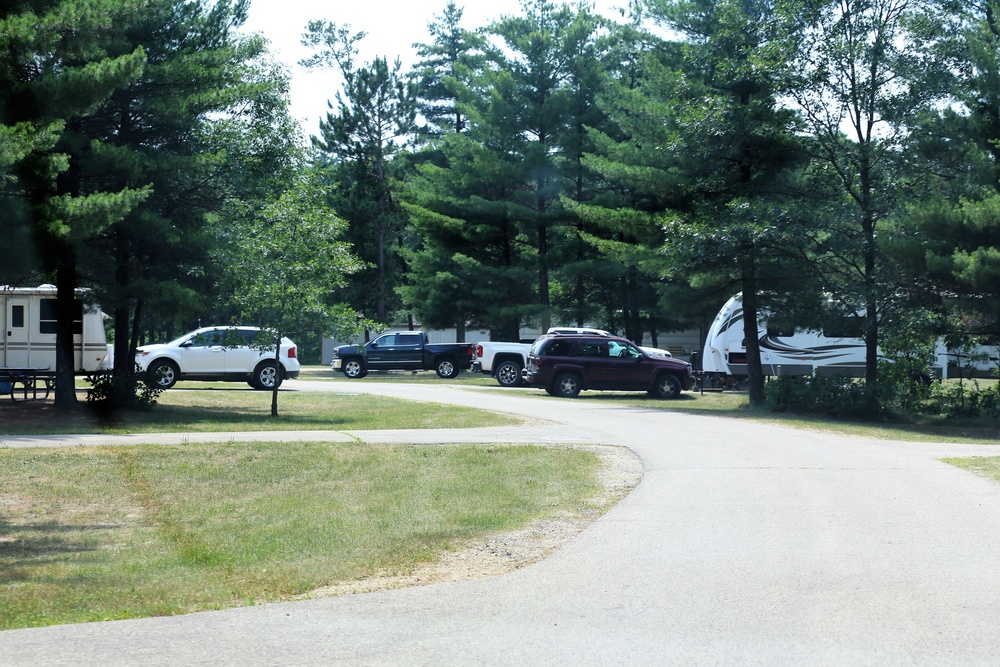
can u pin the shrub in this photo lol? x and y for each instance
(963, 399)
(822, 395)
(112, 392)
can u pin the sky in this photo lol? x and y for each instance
(392, 27)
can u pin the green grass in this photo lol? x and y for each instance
(227, 407)
(91, 534)
(465, 378)
(987, 466)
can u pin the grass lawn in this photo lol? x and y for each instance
(90, 534)
(197, 407)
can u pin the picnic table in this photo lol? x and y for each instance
(26, 384)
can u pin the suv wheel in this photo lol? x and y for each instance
(667, 386)
(266, 375)
(508, 374)
(567, 385)
(162, 374)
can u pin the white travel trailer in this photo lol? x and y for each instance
(28, 332)
(802, 352)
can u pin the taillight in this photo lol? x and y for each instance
(291, 352)
(479, 350)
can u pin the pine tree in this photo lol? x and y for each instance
(702, 154)
(375, 113)
(55, 70)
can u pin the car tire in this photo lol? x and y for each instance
(354, 369)
(162, 374)
(266, 375)
(667, 386)
(567, 385)
(446, 368)
(508, 374)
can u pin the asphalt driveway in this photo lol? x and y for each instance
(744, 544)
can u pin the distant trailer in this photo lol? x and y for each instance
(28, 331)
(809, 352)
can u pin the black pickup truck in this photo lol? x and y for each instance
(403, 351)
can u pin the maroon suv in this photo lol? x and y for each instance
(564, 365)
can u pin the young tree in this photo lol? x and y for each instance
(282, 265)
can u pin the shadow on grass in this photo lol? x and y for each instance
(39, 545)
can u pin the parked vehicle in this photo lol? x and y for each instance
(566, 364)
(505, 361)
(402, 351)
(799, 351)
(28, 331)
(219, 353)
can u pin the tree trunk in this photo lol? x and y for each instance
(65, 398)
(277, 376)
(755, 375)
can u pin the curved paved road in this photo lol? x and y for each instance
(744, 544)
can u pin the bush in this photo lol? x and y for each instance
(822, 395)
(112, 392)
(961, 399)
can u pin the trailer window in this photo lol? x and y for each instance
(47, 316)
(779, 330)
(847, 327)
(17, 317)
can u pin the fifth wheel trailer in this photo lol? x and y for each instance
(805, 352)
(28, 331)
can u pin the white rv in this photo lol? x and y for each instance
(803, 352)
(28, 332)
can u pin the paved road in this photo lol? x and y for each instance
(744, 544)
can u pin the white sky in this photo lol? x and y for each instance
(392, 27)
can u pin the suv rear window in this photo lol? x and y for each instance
(555, 347)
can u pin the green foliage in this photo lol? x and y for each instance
(375, 110)
(283, 264)
(114, 393)
(959, 400)
(830, 396)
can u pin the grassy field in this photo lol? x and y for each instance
(90, 534)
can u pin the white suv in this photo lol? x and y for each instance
(231, 354)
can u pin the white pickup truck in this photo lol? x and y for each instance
(504, 361)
